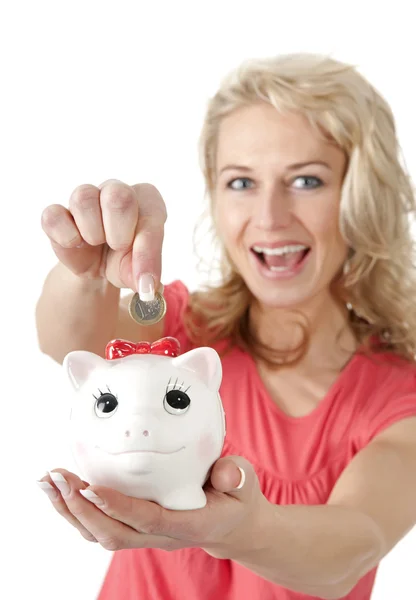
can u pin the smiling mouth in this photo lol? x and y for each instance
(142, 451)
(276, 260)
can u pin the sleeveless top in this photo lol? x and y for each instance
(297, 460)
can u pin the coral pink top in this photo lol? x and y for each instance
(297, 460)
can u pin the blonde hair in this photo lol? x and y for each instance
(378, 283)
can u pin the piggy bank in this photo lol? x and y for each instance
(146, 420)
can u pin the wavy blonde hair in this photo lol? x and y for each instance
(378, 283)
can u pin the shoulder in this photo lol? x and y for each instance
(177, 296)
(176, 292)
(181, 317)
(383, 372)
(384, 390)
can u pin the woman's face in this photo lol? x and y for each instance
(276, 204)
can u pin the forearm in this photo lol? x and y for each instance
(75, 314)
(319, 550)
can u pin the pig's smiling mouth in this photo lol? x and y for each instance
(140, 451)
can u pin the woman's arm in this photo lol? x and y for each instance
(80, 314)
(324, 550)
(318, 550)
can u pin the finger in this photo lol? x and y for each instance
(120, 210)
(84, 204)
(149, 234)
(187, 527)
(60, 227)
(47, 486)
(112, 534)
(159, 528)
(235, 476)
(142, 515)
(67, 243)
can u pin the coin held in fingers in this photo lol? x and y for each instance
(147, 313)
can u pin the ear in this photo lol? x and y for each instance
(205, 363)
(80, 364)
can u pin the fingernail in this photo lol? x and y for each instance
(49, 490)
(243, 479)
(61, 483)
(146, 287)
(92, 497)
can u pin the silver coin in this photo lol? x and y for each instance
(147, 313)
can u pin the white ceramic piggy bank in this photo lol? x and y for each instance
(147, 421)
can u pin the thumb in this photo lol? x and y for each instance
(235, 476)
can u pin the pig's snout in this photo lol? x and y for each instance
(145, 433)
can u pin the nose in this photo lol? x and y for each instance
(145, 433)
(273, 210)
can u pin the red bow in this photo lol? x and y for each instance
(167, 346)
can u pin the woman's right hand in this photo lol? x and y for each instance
(114, 232)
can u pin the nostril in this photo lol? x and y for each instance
(145, 433)
(127, 433)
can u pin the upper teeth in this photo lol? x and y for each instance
(281, 250)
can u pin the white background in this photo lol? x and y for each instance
(98, 90)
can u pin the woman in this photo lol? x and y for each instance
(315, 324)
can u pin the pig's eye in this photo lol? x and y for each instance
(176, 402)
(106, 405)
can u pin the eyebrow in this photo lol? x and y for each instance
(293, 167)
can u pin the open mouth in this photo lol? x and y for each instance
(285, 258)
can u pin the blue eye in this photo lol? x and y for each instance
(313, 182)
(241, 181)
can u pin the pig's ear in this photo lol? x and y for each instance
(205, 363)
(80, 364)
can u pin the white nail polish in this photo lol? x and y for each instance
(49, 490)
(243, 479)
(60, 482)
(92, 497)
(146, 287)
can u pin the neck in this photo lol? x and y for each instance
(331, 341)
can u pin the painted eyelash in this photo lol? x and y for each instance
(101, 393)
(174, 386)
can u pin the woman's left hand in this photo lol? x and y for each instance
(226, 527)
